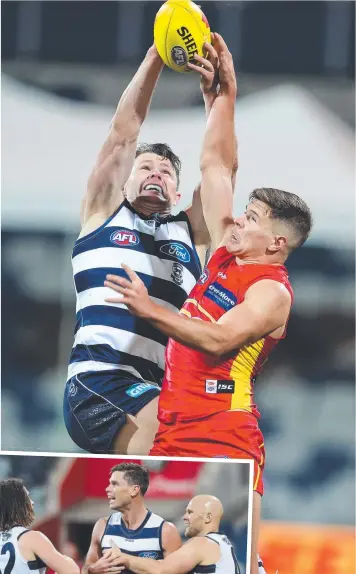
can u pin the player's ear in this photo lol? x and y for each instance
(208, 517)
(178, 196)
(279, 242)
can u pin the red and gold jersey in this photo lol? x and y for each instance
(197, 384)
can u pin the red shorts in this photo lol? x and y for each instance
(230, 434)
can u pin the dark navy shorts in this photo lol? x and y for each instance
(96, 404)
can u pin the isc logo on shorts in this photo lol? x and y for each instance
(216, 387)
(138, 389)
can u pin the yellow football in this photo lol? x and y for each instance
(180, 30)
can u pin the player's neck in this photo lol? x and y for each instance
(147, 208)
(259, 260)
(134, 516)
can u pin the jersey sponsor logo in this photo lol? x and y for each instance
(221, 296)
(204, 277)
(124, 238)
(138, 389)
(147, 554)
(177, 251)
(177, 273)
(72, 389)
(219, 387)
(222, 275)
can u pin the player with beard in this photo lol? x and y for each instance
(25, 551)
(131, 526)
(117, 361)
(242, 302)
(208, 549)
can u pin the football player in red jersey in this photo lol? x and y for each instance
(242, 300)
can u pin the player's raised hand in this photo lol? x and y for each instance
(227, 76)
(134, 293)
(208, 69)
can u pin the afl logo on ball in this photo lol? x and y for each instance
(179, 56)
(124, 238)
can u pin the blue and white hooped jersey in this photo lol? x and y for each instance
(161, 251)
(145, 541)
(11, 560)
(228, 562)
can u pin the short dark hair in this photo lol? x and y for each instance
(16, 508)
(134, 474)
(163, 150)
(289, 208)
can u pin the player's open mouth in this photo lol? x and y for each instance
(157, 190)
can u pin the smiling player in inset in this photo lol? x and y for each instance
(130, 527)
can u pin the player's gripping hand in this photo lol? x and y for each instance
(208, 69)
(134, 293)
(116, 555)
(107, 565)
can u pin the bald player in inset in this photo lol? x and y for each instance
(208, 549)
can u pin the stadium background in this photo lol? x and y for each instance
(69, 495)
(65, 65)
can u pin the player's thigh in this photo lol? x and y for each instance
(256, 518)
(138, 433)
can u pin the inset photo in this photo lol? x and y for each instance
(111, 515)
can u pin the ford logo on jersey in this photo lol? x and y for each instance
(148, 554)
(221, 296)
(124, 238)
(177, 251)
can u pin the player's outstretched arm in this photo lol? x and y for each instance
(42, 547)
(208, 69)
(264, 310)
(115, 160)
(180, 562)
(219, 153)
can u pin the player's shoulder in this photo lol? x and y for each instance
(272, 288)
(32, 538)
(100, 526)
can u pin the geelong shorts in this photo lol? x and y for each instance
(96, 404)
(229, 434)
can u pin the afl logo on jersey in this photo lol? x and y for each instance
(124, 238)
(204, 277)
(177, 251)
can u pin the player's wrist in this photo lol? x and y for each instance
(153, 55)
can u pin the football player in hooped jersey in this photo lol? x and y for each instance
(25, 551)
(208, 549)
(242, 300)
(117, 361)
(130, 527)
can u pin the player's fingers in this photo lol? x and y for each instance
(211, 51)
(201, 71)
(117, 288)
(204, 62)
(220, 44)
(124, 300)
(119, 280)
(130, 272)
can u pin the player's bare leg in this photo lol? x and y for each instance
(137, 435)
